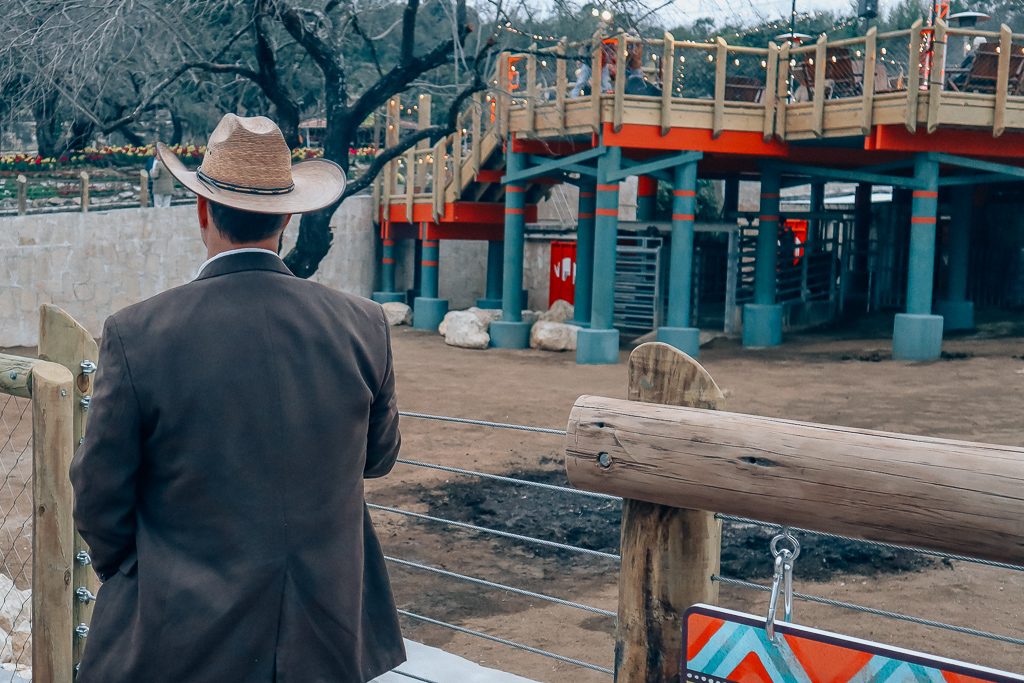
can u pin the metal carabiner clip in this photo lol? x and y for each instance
(782, 580)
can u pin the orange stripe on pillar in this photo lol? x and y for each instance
(607, 212)
(388, 261)
(514, 188)
(429, 264)
(430, 243)
(922, 219)
(586, 214)
(389, 243)
(926, 194)
(684, 193)
(515, 212)
(608, 188)
(682, 216)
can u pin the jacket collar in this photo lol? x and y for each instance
(243, 260)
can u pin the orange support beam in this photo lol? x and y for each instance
(979, 143)
(638, 136)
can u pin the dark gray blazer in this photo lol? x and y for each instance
(220, 485)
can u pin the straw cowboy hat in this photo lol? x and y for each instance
(248, 166)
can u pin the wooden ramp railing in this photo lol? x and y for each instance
(675, 465)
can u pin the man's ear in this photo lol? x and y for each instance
(202, 209)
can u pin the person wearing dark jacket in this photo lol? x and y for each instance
(234, 419)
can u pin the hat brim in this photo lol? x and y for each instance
(319, 183)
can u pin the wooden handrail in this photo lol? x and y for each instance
(940, 494)
(1002, 80)
(913, 76)
(937, 75)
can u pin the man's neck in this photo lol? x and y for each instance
(221, 246)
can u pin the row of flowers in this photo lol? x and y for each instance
(130, 155)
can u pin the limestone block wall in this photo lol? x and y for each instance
(94, 264)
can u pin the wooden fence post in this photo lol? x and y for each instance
(668, 554)
(64, 341)
(85, 191)
(22, 182)
(143, 189)
(53, 529)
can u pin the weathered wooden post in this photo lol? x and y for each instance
(22, 182)
(64, 341)
(53, 528)
(85, 191)
(668, 554)
(143, 189)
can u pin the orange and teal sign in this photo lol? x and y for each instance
(723, 646)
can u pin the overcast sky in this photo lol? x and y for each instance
(747, 11)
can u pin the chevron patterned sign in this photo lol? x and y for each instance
(723, 646)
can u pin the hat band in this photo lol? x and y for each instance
(244, 189)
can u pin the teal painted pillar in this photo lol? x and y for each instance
(600, 343)
(492, 292)
(387, 291)
(585, 253)
(678, 331)
(956, 311)
(917, 334)
(762, 320)
(646, 198)
(427, 309)
(511, 332)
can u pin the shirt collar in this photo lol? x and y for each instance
(229, 252)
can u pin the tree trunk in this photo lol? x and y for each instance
(313, 243)
(177, 128)
(288, 122)
(315, 228)
(81, 135)
(48, 126)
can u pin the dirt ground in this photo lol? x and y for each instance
(975, 393)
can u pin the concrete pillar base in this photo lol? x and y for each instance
(428, 313)
(510, 335)
(686, 339)
(488, 303)
(956, 315)
(762, 325)
(597, 347)
(388, 297)
(917, 337)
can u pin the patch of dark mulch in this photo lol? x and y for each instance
(592, 523)
(956, 355)
(873, 357)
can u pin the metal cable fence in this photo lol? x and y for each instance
(580, 549)
(502, 587)
(16, 533)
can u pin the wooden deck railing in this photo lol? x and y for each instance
(676, 461)
(829, 88)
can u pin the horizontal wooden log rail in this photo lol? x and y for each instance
(954, 496)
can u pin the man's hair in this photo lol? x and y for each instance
(244, 226)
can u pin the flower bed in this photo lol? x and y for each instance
(130, 156)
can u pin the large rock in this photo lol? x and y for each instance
(559, 312)
(15, 623)
(550, 336)
(398, 313)
(465, 329)
(485, 315)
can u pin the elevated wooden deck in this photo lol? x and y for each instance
(881, 97)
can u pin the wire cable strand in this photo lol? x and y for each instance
(877, 544)
(495, 532)
(501, 586)
(511, 480)
(872, 610)
(484, 423)
(509, 643)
